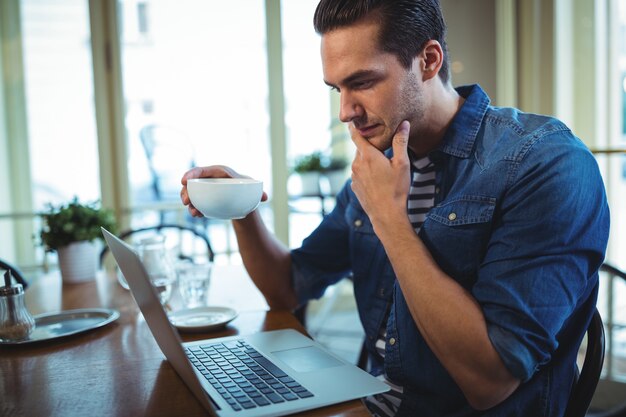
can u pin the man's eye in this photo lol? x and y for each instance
(333, 88)
(360, 85)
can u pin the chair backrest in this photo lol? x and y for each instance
(583, 390)
(612, 270)
(15, 272)
(618, 410)
(169, 153)
(188, 242)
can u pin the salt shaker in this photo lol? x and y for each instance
(16, 323)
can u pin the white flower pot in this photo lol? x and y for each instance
(78, 262)
(336, 180)
(310, 183)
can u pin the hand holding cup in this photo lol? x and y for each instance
(221, 193)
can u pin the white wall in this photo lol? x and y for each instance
(472, 42)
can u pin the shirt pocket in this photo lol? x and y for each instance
(457, 233)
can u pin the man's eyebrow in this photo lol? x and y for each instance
(352, 77)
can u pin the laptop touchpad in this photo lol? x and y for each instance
(307, 359)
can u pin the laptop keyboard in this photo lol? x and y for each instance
(244, 377)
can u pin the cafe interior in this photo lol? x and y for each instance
(105, 104)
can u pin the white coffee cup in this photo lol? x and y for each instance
(225, 198)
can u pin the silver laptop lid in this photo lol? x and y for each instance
(148, 301)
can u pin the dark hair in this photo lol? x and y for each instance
(406, 25)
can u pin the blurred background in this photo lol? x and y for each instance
(113, 100)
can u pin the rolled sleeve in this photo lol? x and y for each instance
(308, 283)
(517, 359)
(323, 259)
(543, 258)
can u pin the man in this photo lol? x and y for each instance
(473, 234)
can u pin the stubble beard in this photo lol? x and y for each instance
(410, 107)
(412, 103)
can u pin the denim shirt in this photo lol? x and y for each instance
(520, 220)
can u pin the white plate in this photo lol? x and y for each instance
(202, 319)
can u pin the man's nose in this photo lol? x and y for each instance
(349, 108)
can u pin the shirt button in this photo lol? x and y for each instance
(436, 190)
(452, 216)
(358, 223)
(392, 341)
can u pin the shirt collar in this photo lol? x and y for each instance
(460, 137)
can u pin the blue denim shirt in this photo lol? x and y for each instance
(520, 220)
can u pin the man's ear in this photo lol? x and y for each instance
(431, 59)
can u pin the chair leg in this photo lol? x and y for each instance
(363, 358)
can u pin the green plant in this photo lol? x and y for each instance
(335, 164)
(309, 163)
(74, 222)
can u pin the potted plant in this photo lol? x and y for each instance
(309, 167)
(335, 173)
(70, 230)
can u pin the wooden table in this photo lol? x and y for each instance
(118, 370)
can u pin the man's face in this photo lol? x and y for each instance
(377, 92)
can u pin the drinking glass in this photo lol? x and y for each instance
(193, 282)
(156, 260)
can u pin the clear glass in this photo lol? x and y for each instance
(614, 168)
(158, 263)
(193, 282)
(60, 101)
(16, 323)
(194, 74)
(308, 113)
(616, 164)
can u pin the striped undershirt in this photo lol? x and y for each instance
(422, 192)
(421, 200)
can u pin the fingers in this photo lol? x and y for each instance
(400, 142)
(359, 141)
(194, 212)
(213, 171)
(400, 139)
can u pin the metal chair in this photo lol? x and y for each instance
(190, 242)
(169, 153)
(15, 272)
(620, 409)
(583, 391)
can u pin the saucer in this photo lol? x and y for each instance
(202, 319)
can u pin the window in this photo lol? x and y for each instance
(60, 106)
(195, 88)
(310, 118)
(612, 298)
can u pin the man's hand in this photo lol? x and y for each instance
(382, 185)
(214, 171)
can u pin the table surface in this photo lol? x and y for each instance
(118, 370)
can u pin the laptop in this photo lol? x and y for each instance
(271, 373)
